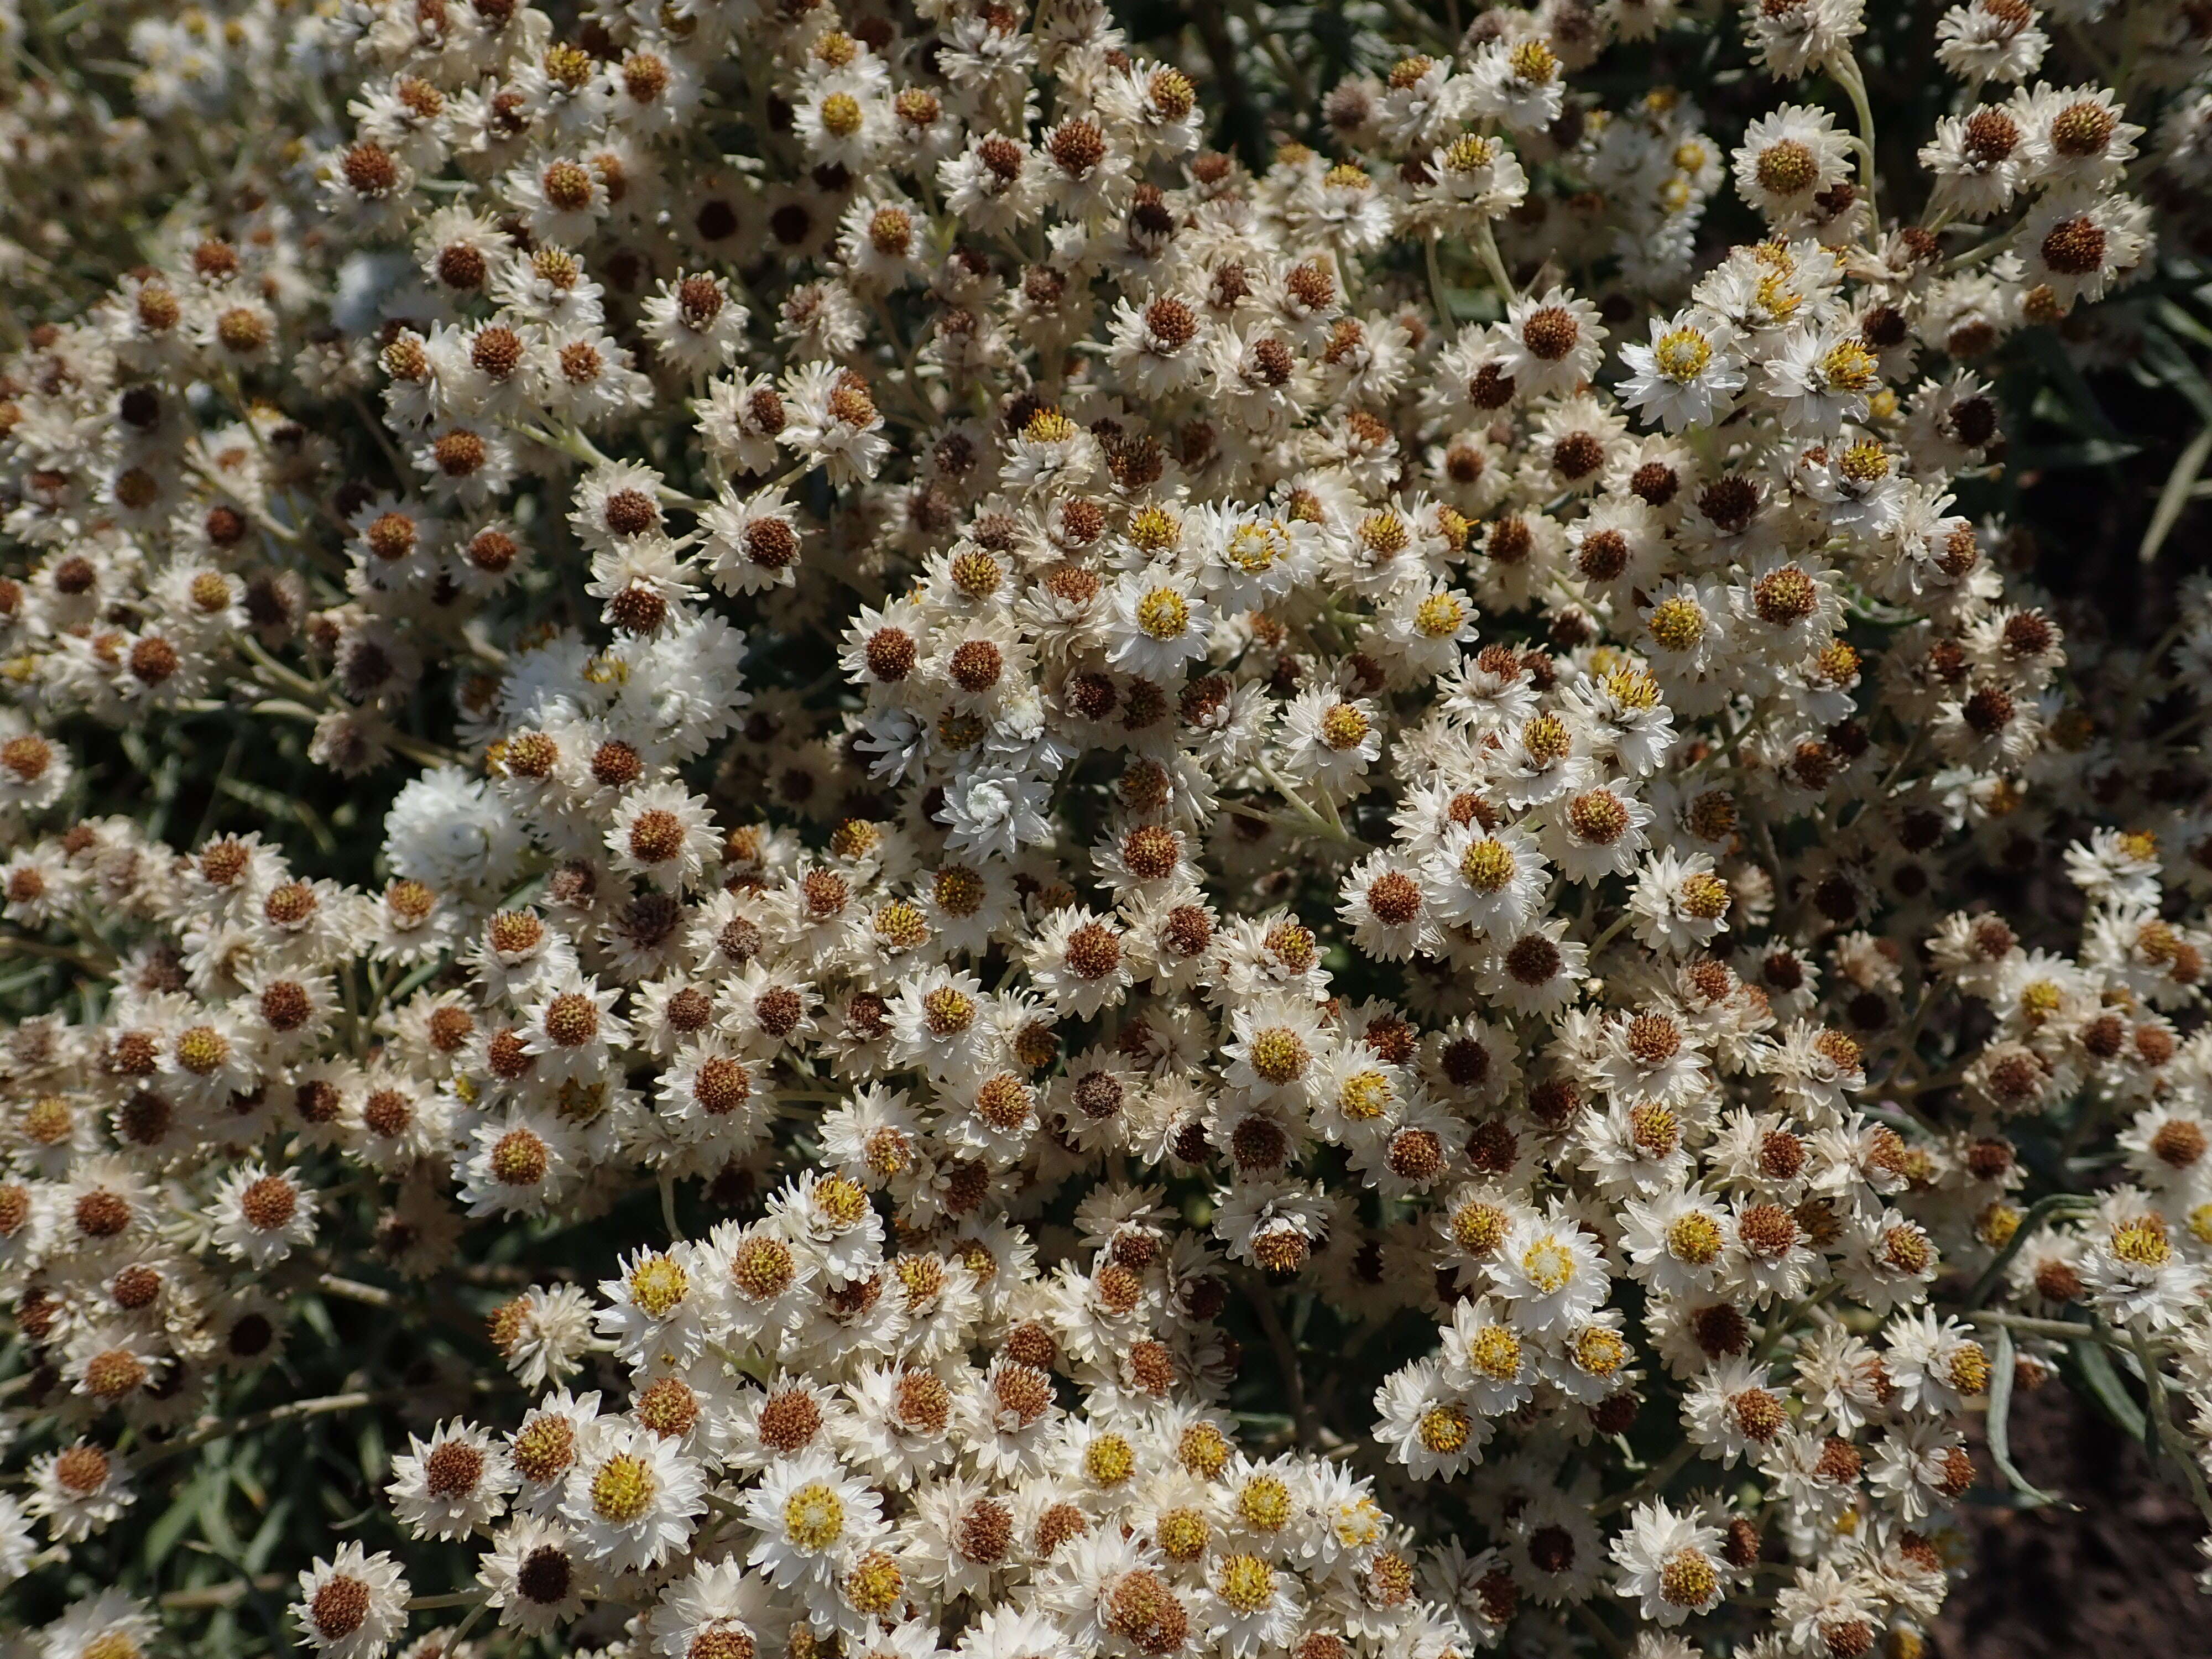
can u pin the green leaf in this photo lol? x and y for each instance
(2179, 484)
(2038, 1212)
(2163, 354)
(2105, 1388)
(175, 1521)
(270, 1535)
(214, 1523)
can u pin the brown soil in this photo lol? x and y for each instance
(2114, 1577)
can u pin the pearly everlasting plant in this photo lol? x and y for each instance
(941, 831)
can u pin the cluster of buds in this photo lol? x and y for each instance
(971, 882)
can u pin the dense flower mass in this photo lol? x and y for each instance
(814, 849)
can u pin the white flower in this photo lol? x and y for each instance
(1488, 880)
(664, 834)
(751, 546)
(1981, 41)
(1158, 625)
(1327, 740)
(1679, 1242)
(716, 1603)
(451, 1485)
(1253, 1605)
(1487, 1358)
(1425, 1425)
(993, 814)
(1802, 36)
(534, 1575)
(1688, 374)
(631, 1497)
(694, 324)
(813, 1514)
(112, 1622)
(832, 420)
(352, 1605)
(261, 1217)
(1550, 1272)
(657, 1311)
(1678, 904)
(77, 1491)
(1668, 1563)
(1079, 961)
(1550, 345)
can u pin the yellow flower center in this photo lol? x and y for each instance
(1278, 1055)
(1848, 366)
(1445, 1429)
(1694, 1238)
(840, 1201)
(1682, 354)
(658, 1283)
(1343, 726)
(1487, 865)
(1599, 1350)
(1534, 62)
(1864, 464)
(875, 1585)
(1439, 617)
(1548, 1265)
(623, 1488)
(1182, 1535)
(1969, 1370)
(1469, 153)
(1246, 1582)
(1254, 548)
(1155, 529)
(1163, 613)
(1264, 1504)
(1631, 688)
(1677, 623)
(814, 1516)
(1359, 1523)
(1705, 898)
(2143, 1243)
(1478, 1228)
(1364, 1096)
(1687, 1579)
(1108, 1460)
(1496, 1352)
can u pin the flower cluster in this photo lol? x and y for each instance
(971, 882)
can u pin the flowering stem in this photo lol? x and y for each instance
(1852, 78)
(2160, 1416)
(225, 1428)
(352, 1289)
(13, 942)
(1652, 1483)
(289, 677)
(1604, 1633)
(1437, 295)
(1976, 254)
(1612, 932)
(2038, 1212)
(1485, 244)
(454, 1644)
(2058, 1330)
(1286, 1356)
(1330, 824)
